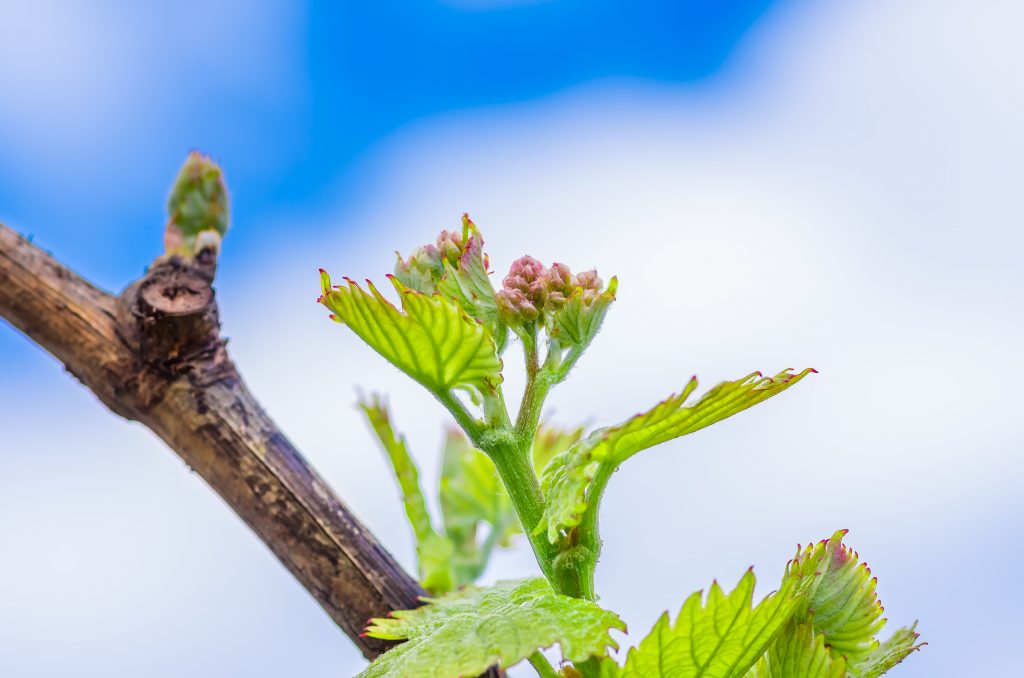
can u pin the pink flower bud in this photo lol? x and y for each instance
(421, 270)
(589, 280)
(560, 278)
(515, 307)
(524, 271)
(559, 284)
(450, 245)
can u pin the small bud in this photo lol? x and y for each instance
(515, 307)
(559, 285)
(197, 208)
(199, 198)
(451, 246)
(521, 298)
(589, 280)
(421, 270)
(561, 278)
(524, 272)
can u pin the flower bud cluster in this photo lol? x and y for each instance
(531, 289)
(450, 246)
(425, 266)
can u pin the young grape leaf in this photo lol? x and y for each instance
(799, 653)
(471, 494)
(433, 340)
(577, 322)
(434, 552)
(468, 283)
(840, 601)
(463, 633)
(551, 441)
(887, 655)
(722, 639)
(840, 598)
(567, 476)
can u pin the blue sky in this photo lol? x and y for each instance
(108, 97)
(802, 184)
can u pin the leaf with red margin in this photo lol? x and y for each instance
(431, 339)
(567, 476)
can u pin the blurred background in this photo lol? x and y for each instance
(777, 184)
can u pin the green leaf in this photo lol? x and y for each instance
(722, 639)
(566, 478)
(577, 322)
(551, 441)
(839, 597)
(463, 633)
(468, 283)
(890, 653)
(799, 653)
(835, 621)
(471, 494)
(422, 271)
(433, 340)
(434, 552)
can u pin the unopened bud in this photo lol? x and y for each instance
(515, 307)
(450, 245)
(589, 280)
(560, 278)
(421, 270)
(199, 198)
(559, 284)
(524, 272)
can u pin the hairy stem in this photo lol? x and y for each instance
(528, 419)
(515, 468)
(472, 426)
(587, 531)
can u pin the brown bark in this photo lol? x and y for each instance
(154, 355)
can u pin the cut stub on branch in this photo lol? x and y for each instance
(155, 355)
(175, 314)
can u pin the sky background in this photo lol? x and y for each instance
(777, 184)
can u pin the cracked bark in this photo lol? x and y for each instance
(154, 354)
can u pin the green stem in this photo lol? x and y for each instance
(495, 411)
(472, 426)
(543, 666)
(568, 363)
(528, 419)
(588, 534)
(515, 468)
(538, 383)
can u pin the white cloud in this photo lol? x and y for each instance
(845, 200)
(80, 81)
